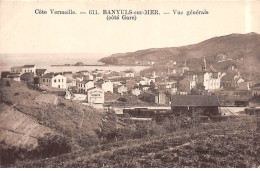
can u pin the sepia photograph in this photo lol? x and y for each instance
(129, 84)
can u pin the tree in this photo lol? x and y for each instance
(152, 87)
(200, 86)
(194, 91)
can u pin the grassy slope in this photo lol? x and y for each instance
(20, 130)
(233, 143)
(73, 120)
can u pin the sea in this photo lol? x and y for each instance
(56, 63)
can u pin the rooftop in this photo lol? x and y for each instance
(28, 66)
(194, 100)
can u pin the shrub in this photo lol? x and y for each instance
(62, 104)
(52, 145)
(7, 84)
(122, 99)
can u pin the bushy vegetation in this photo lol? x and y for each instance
(233, 143)
(49, 146)
(71, 119)
(112, 131)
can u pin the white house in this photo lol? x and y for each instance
(16, 69)
(107, 86)
(96, 95)
(128, 74)
(52, 80)
(210, 80)
(99, 76)
(14, 76)
(145, 88)
(244, 86)
(83, 86)
(116, 82)
(71, 82)
(147, 81)
(29, 68)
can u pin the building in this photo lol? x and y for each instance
(29, 68)
(84, 72)
(184, 68)
(145, 88)
(231, 80)
(161, 98)
(40, 72)
(83, 86)
(256, 91)
(95, 95)
(68, 75)
(98, 76)
(146, 81)
(16, 69)
(71, 83)
(244, 86)
(130, 84)
(107, 86)
(128, 74)
(14, 76)
(186, 85)
(210, 80)
(150, 62)
(206, 105)
(221, 57)
(54, 80)
(231, 67)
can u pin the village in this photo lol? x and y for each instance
(179, 90)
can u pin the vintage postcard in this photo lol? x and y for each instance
(129, 84)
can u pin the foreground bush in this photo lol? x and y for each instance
(49, 146)
(52, 145)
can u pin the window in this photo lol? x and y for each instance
(55, 80)
(43, 80)
(59, 80)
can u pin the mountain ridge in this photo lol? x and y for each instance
(232, 44)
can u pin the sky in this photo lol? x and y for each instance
(23, 31)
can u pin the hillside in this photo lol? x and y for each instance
(20, 130)
(27, 115)
(233, 143)
(235, 46)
